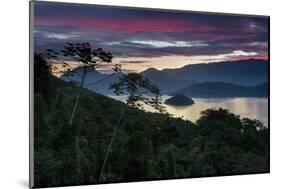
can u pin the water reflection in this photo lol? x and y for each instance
(253, 108)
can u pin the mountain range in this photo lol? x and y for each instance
(225, 75)
(242, 72)
(222, 89)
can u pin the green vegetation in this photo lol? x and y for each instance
(136, 85)
(147, 145)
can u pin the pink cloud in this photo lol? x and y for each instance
(128, 25)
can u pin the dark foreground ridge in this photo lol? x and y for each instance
(148, 146)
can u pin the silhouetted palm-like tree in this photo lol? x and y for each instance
(89, 59)
(86, 56)
(140, 90)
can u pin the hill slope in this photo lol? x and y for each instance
(242, 72)
(166, 82)
(92, 76)
(148, 145)
(222, 89)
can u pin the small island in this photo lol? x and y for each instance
(179, 100)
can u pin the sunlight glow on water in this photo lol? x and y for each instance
(253, 108)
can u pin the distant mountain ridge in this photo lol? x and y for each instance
(103, 84)
(222, 89)
(165, 81)
(249, 72)
(242, 72)
(92, 76)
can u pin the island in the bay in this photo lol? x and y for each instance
(179, 100)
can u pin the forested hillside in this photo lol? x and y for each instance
(222, 89)
(147, 146)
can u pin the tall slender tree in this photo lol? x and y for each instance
(89, 59)
(140, 90)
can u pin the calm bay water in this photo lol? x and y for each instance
(253, 108)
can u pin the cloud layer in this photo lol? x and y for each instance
(142, 34)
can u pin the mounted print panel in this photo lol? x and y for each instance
(123, 94)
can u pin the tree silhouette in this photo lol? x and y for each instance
(86, 56)
(116, 68)
(140, 90)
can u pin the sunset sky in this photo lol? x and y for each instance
(139, 39)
